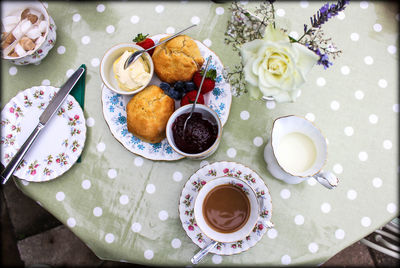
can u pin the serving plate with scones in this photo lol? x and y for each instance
(138, 121)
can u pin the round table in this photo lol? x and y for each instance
(125, 207)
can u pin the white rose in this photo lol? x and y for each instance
(275, 67)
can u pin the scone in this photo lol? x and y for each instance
(148, 113)
(177, 60)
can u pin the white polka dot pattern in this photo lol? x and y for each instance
(149, 254)
(285, 260)
(90, 122)
(231, 152)
(272, 233)
(100, 8)
(377, 182)
(71, 222)
(135, 19)
(150, 188)
(136, 227)
(335, 104)
(101, 147)
(216, 259)
(97, 211)
(76, 17)
(339, 234)
(163, 215)
(244, 115)
(325, 207)
(313, 247)
(299, 219)
(177, 176)
(60, 196)
(219, 10)
(391, 208)
(159, 8)
(285, 194)
(280, 12)
(85, 40)
(124, 199)
(304, 4)
(365, 221)
(109, 238)
(195, 20)
(46, 82)
(351, 194)
(61, 50)
(354, 36)
(258, 141)
(86, 184)
(13, 70)
(176, 243)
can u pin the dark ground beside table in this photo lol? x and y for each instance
(31, 236)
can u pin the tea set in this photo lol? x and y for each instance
(296, 151)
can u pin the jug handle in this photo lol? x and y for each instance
(327, 179)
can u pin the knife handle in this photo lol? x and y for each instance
(13, 164)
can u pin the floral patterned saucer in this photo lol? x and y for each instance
(59, 144)
(115, 114)
(210, 172)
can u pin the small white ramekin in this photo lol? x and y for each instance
(106, 67)
(207, 114)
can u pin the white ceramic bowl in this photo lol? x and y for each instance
(43, 48)
(207, 113)
(106, 67)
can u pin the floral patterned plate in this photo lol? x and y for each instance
(59, 144)
(115, 114)
(198, 180)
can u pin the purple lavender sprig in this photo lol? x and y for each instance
(315, 36)
(326, 12)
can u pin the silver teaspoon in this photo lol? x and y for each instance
(203, 252)
(132, 58)
(197, 96)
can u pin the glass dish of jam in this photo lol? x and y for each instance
(200, 133)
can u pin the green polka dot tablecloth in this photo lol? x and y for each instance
(125, 207)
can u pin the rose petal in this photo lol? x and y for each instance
(250, 49)
(306, 59)
(249, 76)
(274, 35)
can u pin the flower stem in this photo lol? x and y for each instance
(273, 13)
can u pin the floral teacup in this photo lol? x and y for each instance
(249, 223)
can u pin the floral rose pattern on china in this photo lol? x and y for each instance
(14, 118)
(210, 172)
(43, 50)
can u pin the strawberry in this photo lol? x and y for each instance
(190, 97)
(209, 81)
(144, 42)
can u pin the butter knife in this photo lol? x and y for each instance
(44, 118)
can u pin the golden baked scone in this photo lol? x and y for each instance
(148, 113)
(177, 60)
